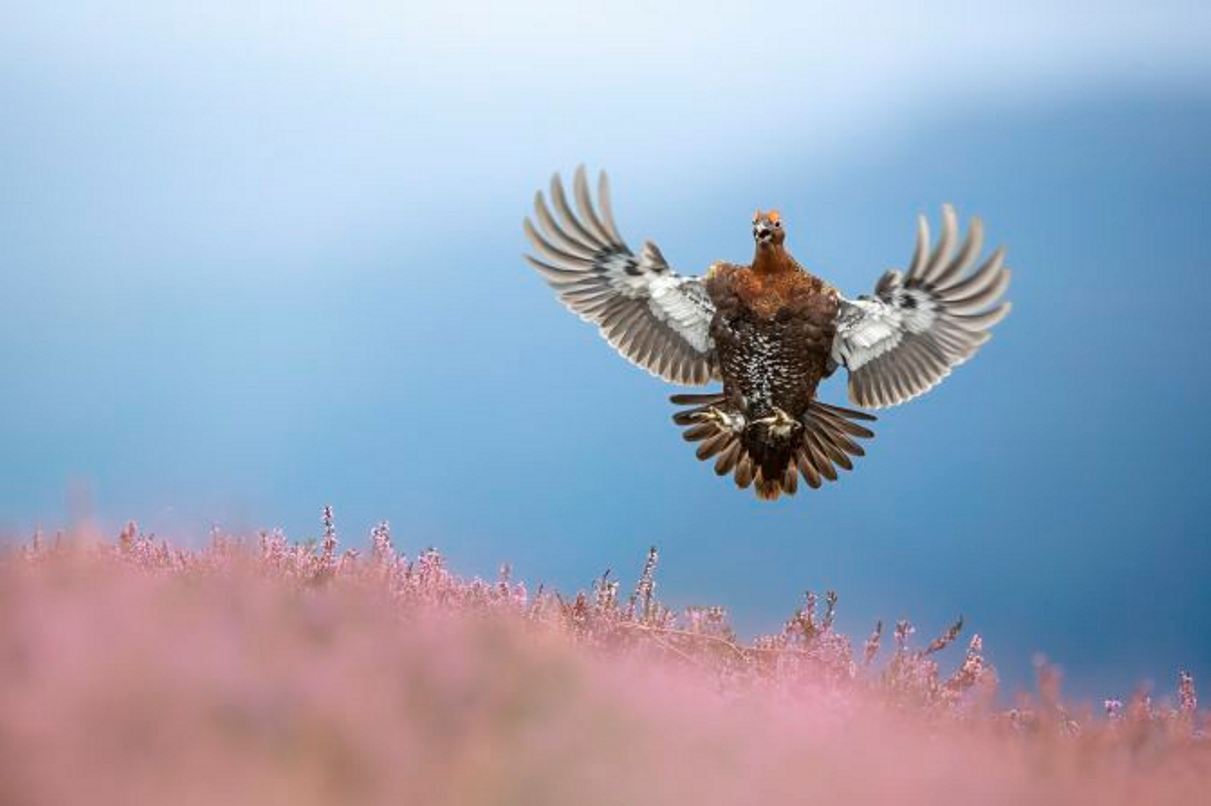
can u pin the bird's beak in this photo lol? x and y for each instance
(762, 233)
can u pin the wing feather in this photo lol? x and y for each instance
(919, 325)
(654, 317)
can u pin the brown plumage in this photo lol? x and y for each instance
(770, 331)
(773, 329)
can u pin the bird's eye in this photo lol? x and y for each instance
(778, 224)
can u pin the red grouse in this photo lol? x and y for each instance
(771, 331)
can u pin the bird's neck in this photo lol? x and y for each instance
(773, 259)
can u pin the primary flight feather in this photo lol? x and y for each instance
(770, 331)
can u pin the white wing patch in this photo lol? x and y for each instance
(682, 303)
(655, 318)
(904, 340)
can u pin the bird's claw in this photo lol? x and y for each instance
(779, 422)
(730, 421)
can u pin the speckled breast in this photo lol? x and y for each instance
(773, 348)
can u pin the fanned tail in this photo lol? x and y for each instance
(827, 443)
(770, 460)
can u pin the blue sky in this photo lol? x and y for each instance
(253, 262)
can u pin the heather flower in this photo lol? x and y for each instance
(380, 544)
(328, 544)
(1187, 699)
(360, 677)
(974, 668)
(945, 639)
(645, 589)
(871, 647)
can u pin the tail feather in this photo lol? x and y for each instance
(823, 441)
(714, 445)
(790, 479)
(843, 419)
(726, 462)
(697, 403)
(699, 432)
(827, 441)
(697, 399)
(815, 454)
(768, 489)
(744, 471)
(808, 468)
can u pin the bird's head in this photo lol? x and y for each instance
(767, 228)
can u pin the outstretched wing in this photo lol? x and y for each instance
(918, 326)
(652, 316)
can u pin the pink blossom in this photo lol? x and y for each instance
(266, 671)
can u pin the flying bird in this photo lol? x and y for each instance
(771, 331)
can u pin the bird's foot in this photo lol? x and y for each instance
(732, 421)
(780, 423)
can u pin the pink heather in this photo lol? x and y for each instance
(266, 671)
